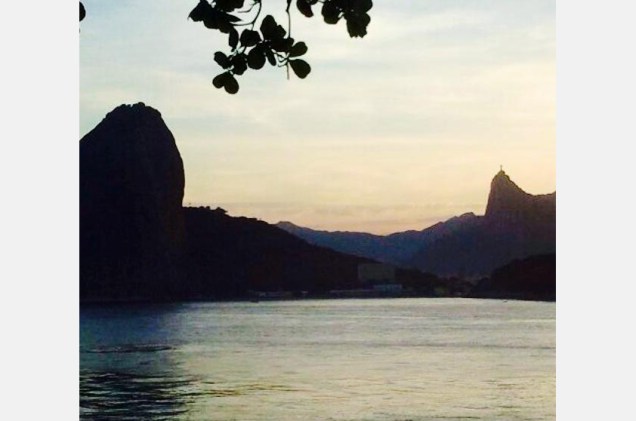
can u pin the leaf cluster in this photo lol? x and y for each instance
(252, 47)
(217, 15)
(354, 12)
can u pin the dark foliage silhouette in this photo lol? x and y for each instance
(270, 42)
(254, 41)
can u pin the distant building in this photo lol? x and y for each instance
(274, 295)
(376, 273)
(388, 288)
(380, 277)
(353, 293)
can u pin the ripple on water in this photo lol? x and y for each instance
(122, 349)
(133, 396)
(111, 395)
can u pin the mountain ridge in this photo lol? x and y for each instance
(394, 248)
(515, 224)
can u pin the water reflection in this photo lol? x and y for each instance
(125, 396)
(128, 365)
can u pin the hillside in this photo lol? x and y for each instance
(137, 242)
(532, 278)
(396, 248)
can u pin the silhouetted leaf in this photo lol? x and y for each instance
(226, 22)
(330, 12)
(210, 18)
(300, 67)
(357, 25)
(298, 49)
(200, 11)
(270, 57)
(223, 5)
(239, 64)
(220, 80)
(221, 59)
(231, 85)
(256, 58)
(215, 19)
(360, 6)
(228, 5)
(82, 12)
(271, 30)
(304, 8)
(231, 18)
(268, 26)
(250, 38)
(282, 45)
(233, 38)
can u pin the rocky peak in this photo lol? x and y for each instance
(505, 196)
(131, 191)
(137, 116)
(133, 152)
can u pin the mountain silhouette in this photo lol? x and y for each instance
(508, 204)
(137, 242)
(395, 248)
(531, 278)
(131, 189)
(516, 224)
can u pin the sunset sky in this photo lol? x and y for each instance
(396, 131)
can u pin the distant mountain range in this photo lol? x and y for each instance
(397, 248)
(516, 225)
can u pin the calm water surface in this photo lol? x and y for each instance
(391, 359)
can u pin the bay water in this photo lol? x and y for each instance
(368, 359)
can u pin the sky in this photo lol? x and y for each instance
(399, 130)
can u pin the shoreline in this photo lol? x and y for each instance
(89, 303)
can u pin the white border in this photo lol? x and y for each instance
(39, 223)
